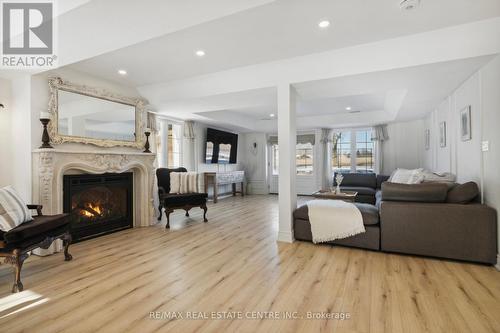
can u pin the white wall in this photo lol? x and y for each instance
(255, 161)
(490, 102)
(20, 129)
(305, 184)
(21, 136)
(465, 158)
(5, 133)
(404, 147)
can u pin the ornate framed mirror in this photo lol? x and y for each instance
(94, 116)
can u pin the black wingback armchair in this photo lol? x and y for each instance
(171, 201)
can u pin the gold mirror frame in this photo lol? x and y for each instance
(56, 84)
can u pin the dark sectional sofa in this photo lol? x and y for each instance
(430, 219)
(366, 184)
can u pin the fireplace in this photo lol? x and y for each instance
(98, 204)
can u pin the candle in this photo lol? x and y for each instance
(44, 115)
(148, 129)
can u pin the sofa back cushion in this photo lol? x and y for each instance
(13, 210)
(463, 193)
(381, 179)
(357, 179)
(425, 192)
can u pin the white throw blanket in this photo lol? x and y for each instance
(334, 219)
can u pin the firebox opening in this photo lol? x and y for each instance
(98, 204)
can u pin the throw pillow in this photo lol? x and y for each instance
(192, 182)
(444, 177)
(405, 176)
(13, 209)
(175, 182)
(184, 183)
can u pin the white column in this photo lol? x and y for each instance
(287, 139)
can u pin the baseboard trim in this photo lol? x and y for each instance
(257, 187)
(285, 237)
(497, 266)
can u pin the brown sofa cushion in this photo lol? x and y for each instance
(381, 179)
(425, 192)
(368, 212)
(38, 226)
(463, 193)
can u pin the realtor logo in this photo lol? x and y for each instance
(27, 29)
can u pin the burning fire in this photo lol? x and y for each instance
(92, 210)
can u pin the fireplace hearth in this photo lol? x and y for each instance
(98, 204)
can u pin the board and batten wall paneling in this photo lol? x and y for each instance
(490, 103)
(254, 162)
(466, 158)
(404, 147)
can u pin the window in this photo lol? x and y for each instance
(304, 159)
(364, 151)
(169, 144)
(174, 146)
(275, 158)
(352, 151)
(341, 154)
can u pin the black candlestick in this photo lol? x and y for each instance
(45, 135)
(146, 145)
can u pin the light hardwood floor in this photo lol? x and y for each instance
(233, 263)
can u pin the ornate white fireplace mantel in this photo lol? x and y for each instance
(50, 165)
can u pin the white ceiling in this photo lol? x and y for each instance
(395, 95)
(361, 102)
(281, 29)
(253, 38)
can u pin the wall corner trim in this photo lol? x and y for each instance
(497, 266)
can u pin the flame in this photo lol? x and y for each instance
(95, 208)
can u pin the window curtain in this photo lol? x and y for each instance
(189, 145)
(379, 136)
(301, 139)
(272, 140)
(152, 122)
(326, 154)
(306, 138)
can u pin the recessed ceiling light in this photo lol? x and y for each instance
(324, 24)
(122, 72)
(200, 53)
(348, 108)
(409, 4)
(272, 115)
